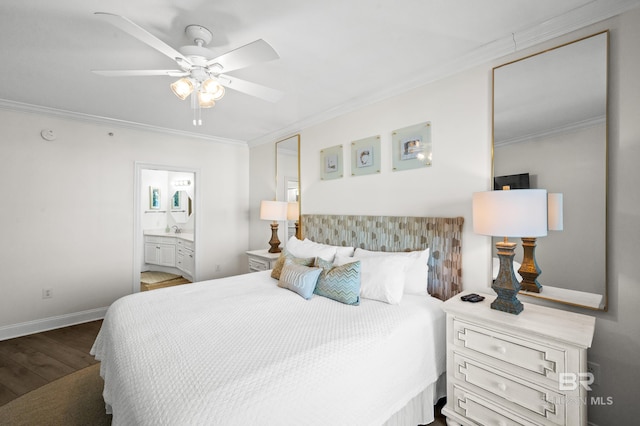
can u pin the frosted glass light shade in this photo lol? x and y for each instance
(273, 210)
(514, 213)
(182, 88)
(212, 87)
(205, 100)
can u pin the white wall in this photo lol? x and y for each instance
(68, 216)
(460, 116)
(460, 110)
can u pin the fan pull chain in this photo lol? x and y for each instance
(197, 111)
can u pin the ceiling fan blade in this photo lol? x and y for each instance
(249, 88)
(140, 73)
(141, 34)
(249, 54)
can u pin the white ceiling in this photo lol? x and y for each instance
(335, 55)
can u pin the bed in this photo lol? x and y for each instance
(244, 350)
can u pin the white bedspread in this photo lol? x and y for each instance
(242, 351)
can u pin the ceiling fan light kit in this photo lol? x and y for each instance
(200, 69)
(213, 88)
(205, 100)
(182, 88)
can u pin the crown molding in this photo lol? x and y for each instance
(591, 122)
(94, 119)
(575, 19)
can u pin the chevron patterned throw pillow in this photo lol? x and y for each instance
(340, 283)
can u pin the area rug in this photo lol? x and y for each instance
(75, 399)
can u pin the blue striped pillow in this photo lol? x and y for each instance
(340, 283)
(298, 278)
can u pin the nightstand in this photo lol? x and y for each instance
(261, 260)
(526, 369)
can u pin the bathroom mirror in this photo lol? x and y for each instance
(288, 181)
(550, 120)
(181, 206)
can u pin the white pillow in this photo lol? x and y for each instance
(381, 278)
(310, 249)
(342, 251)
(416, 275)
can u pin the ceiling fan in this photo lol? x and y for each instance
(200, 70)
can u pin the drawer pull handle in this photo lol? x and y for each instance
(501, 349)
(502, 387)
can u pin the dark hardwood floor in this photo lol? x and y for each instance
(28, 362)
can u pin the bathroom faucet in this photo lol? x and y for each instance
(178, 230)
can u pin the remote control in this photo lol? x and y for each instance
(473, 298)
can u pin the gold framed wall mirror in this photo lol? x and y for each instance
(550, 121)
(288, 184)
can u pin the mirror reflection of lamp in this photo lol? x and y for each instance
(274, 211)
(529, 270)
(515, 213)
(293, 213)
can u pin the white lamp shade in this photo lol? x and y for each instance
(514, 213)
(293, 212)
(555, 217)
(273, 210)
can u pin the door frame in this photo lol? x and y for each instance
(138, 237)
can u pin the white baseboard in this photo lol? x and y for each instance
(45, 324)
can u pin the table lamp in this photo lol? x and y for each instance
(513, 213)
(274, 211)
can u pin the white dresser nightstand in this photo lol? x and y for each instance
(261, 260)
(526, 369)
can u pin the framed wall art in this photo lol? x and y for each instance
(331, 167)
(154, 198)
(176, 200)
(365, 156)
(412, 147)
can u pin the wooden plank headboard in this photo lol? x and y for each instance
(442, 235)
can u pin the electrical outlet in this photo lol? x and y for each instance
(47, 293)
(594, 369)
(217, 268)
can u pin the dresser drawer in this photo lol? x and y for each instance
(485, 412)
(537, 358)
(530, 396)
(258, 264)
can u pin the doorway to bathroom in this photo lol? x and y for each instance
(166, 223)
